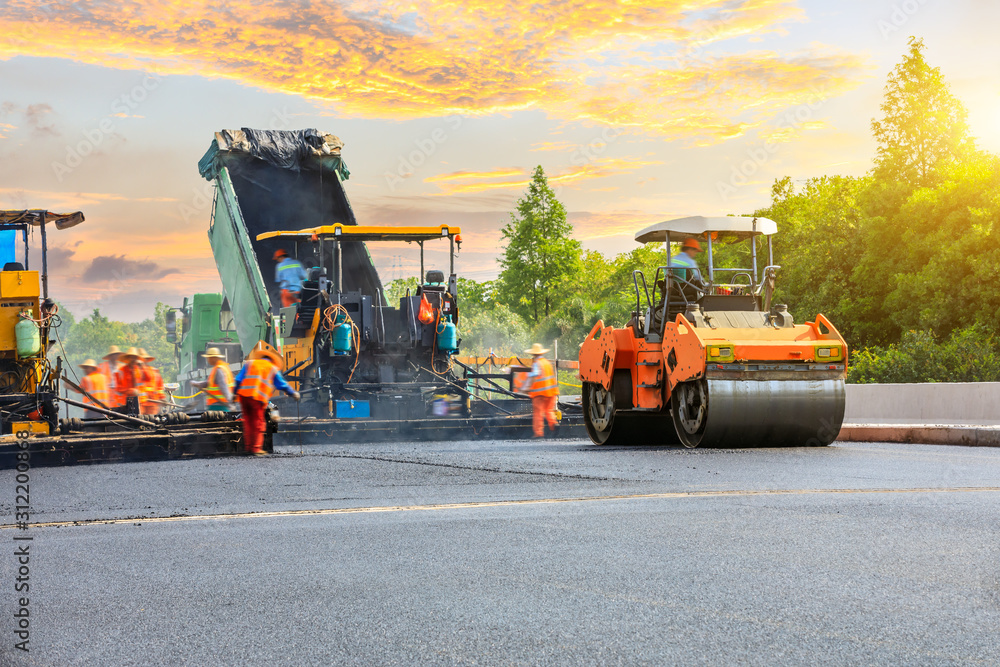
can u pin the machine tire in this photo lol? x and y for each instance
(599, 414)
(689, 408)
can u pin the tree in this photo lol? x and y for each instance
(924, 126)
(92, 336)
(540, 257)
(817, 247)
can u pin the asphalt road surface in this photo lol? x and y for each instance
(513, 553)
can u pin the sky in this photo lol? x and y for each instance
(638, 112)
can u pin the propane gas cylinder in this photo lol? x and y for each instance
(342, 338)
(29, 341)
(447, 336)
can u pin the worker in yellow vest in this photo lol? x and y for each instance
(541, 384)
(255, 384)
(218, 387)
(96, 387)
(154, 390)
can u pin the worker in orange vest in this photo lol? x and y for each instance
(154, 390)
(255, 384)
(131, 379)
(218, 387)
(541, 384)
(95, 386)
(109, 368)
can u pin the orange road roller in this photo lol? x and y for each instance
(708, 360)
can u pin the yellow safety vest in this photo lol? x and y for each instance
(213, 390)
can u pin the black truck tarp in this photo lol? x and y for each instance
(288, 180)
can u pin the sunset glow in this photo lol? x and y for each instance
(637, 111)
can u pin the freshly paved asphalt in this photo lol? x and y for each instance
(876, 554)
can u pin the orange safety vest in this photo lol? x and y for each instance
(258, 383)
(213, 390)
(154, 383)
(131, 377)
(114, 400)
(545, 384)
(96, 385)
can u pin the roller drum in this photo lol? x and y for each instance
(760, 413)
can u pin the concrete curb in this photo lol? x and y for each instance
(923, 434)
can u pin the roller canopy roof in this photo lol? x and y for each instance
(34, 218)
(698, 225)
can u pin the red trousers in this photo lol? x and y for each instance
(542, 410)
(253, 424)
(289, 297)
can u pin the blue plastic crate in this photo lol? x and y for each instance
(352, 409)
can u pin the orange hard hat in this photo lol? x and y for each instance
(691, 243)
(279, 253)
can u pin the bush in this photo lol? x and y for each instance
(971, 354)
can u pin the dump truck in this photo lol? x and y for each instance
(363, 365)
(708, 360)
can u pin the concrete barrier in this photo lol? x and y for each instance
(940, 403)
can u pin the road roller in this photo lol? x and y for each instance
(707, 359)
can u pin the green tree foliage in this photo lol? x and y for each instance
(971, 354)
(818, 245)
(540, 257)
(92, 336)
(398, 288)
(948, 258)
(923, 128)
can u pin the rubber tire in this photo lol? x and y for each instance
(609, 435)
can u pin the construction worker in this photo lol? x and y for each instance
(218, 386)
(154, 391)
(95, 386)
(686, 259)
(541, 384)
(289, 275)
(131, 379)
(254, 385)
(109, 368)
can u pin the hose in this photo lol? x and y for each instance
(330, 324)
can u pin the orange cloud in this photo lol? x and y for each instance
(553, 146)
(574, 60)
(476, 175)
(469, 182)
(16, 197)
